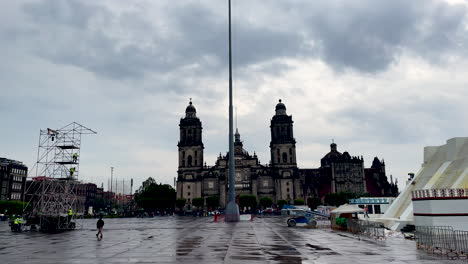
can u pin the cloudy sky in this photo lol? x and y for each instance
(381, 78)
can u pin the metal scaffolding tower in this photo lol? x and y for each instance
(55, 197)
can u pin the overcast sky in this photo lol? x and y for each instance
(381, 78)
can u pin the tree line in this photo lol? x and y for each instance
(152, 196)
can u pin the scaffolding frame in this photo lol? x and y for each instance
(55, 189)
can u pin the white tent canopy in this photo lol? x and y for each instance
(347, 208)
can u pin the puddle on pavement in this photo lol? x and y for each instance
(282, 252)
(219, 249)
(279, 248)
(288, 259)
(187, 245)
(369, 253)
(247, 258)
(317, 247)
(330, 253)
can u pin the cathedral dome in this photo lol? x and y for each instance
(280, 105)
(331, 156)
(190, 111)
(190, 108)
(280, 108)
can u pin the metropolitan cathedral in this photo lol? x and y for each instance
(279, 180)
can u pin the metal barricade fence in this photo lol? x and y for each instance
(323, 223)
(352, 226)
(368, 228)
(442, 240)
(461, 238)
(373, 229)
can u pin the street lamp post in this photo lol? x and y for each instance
(110, 194)
(232, 209)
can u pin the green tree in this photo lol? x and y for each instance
(146, 184)
(281, 203)
(248, 201)
(12, 207)
(212, 202)
(337, 199)
(313, 202)
(180, 203)
(299, 202)
(153, 196)
(198, 202)
(266, 202)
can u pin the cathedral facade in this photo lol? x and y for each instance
(281, 179)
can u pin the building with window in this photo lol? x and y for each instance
(13, 176)
(91, 191)
(376, 206)
(281, 179)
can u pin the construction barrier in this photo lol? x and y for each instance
(352, 226)
(326, 224)
(218, 218)
(246, 217)
(368, 228)
(442, 240)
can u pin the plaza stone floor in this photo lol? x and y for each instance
(200, 240)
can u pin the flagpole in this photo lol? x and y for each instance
(232, 209)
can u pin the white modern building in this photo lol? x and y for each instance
(376, 206)
(444, 167)
(441, 207)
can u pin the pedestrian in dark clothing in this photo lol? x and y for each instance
(99, 225)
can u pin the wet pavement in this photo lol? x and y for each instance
(200, 240)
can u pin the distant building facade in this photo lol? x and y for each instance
(99, 193)
(377, 183)
(13, 176)
(281, 179)
(91, 193)
(341, 172)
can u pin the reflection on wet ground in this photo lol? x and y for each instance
(200, 240)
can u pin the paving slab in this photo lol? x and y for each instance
(200, 240)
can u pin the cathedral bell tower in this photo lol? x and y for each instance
(190, 142)
(283, 144)
(283, 156)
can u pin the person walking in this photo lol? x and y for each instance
(366, 211)
(99, 225)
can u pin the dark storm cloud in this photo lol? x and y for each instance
(370, 35)
(364, 35)
(74, 33)
(70, 13)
